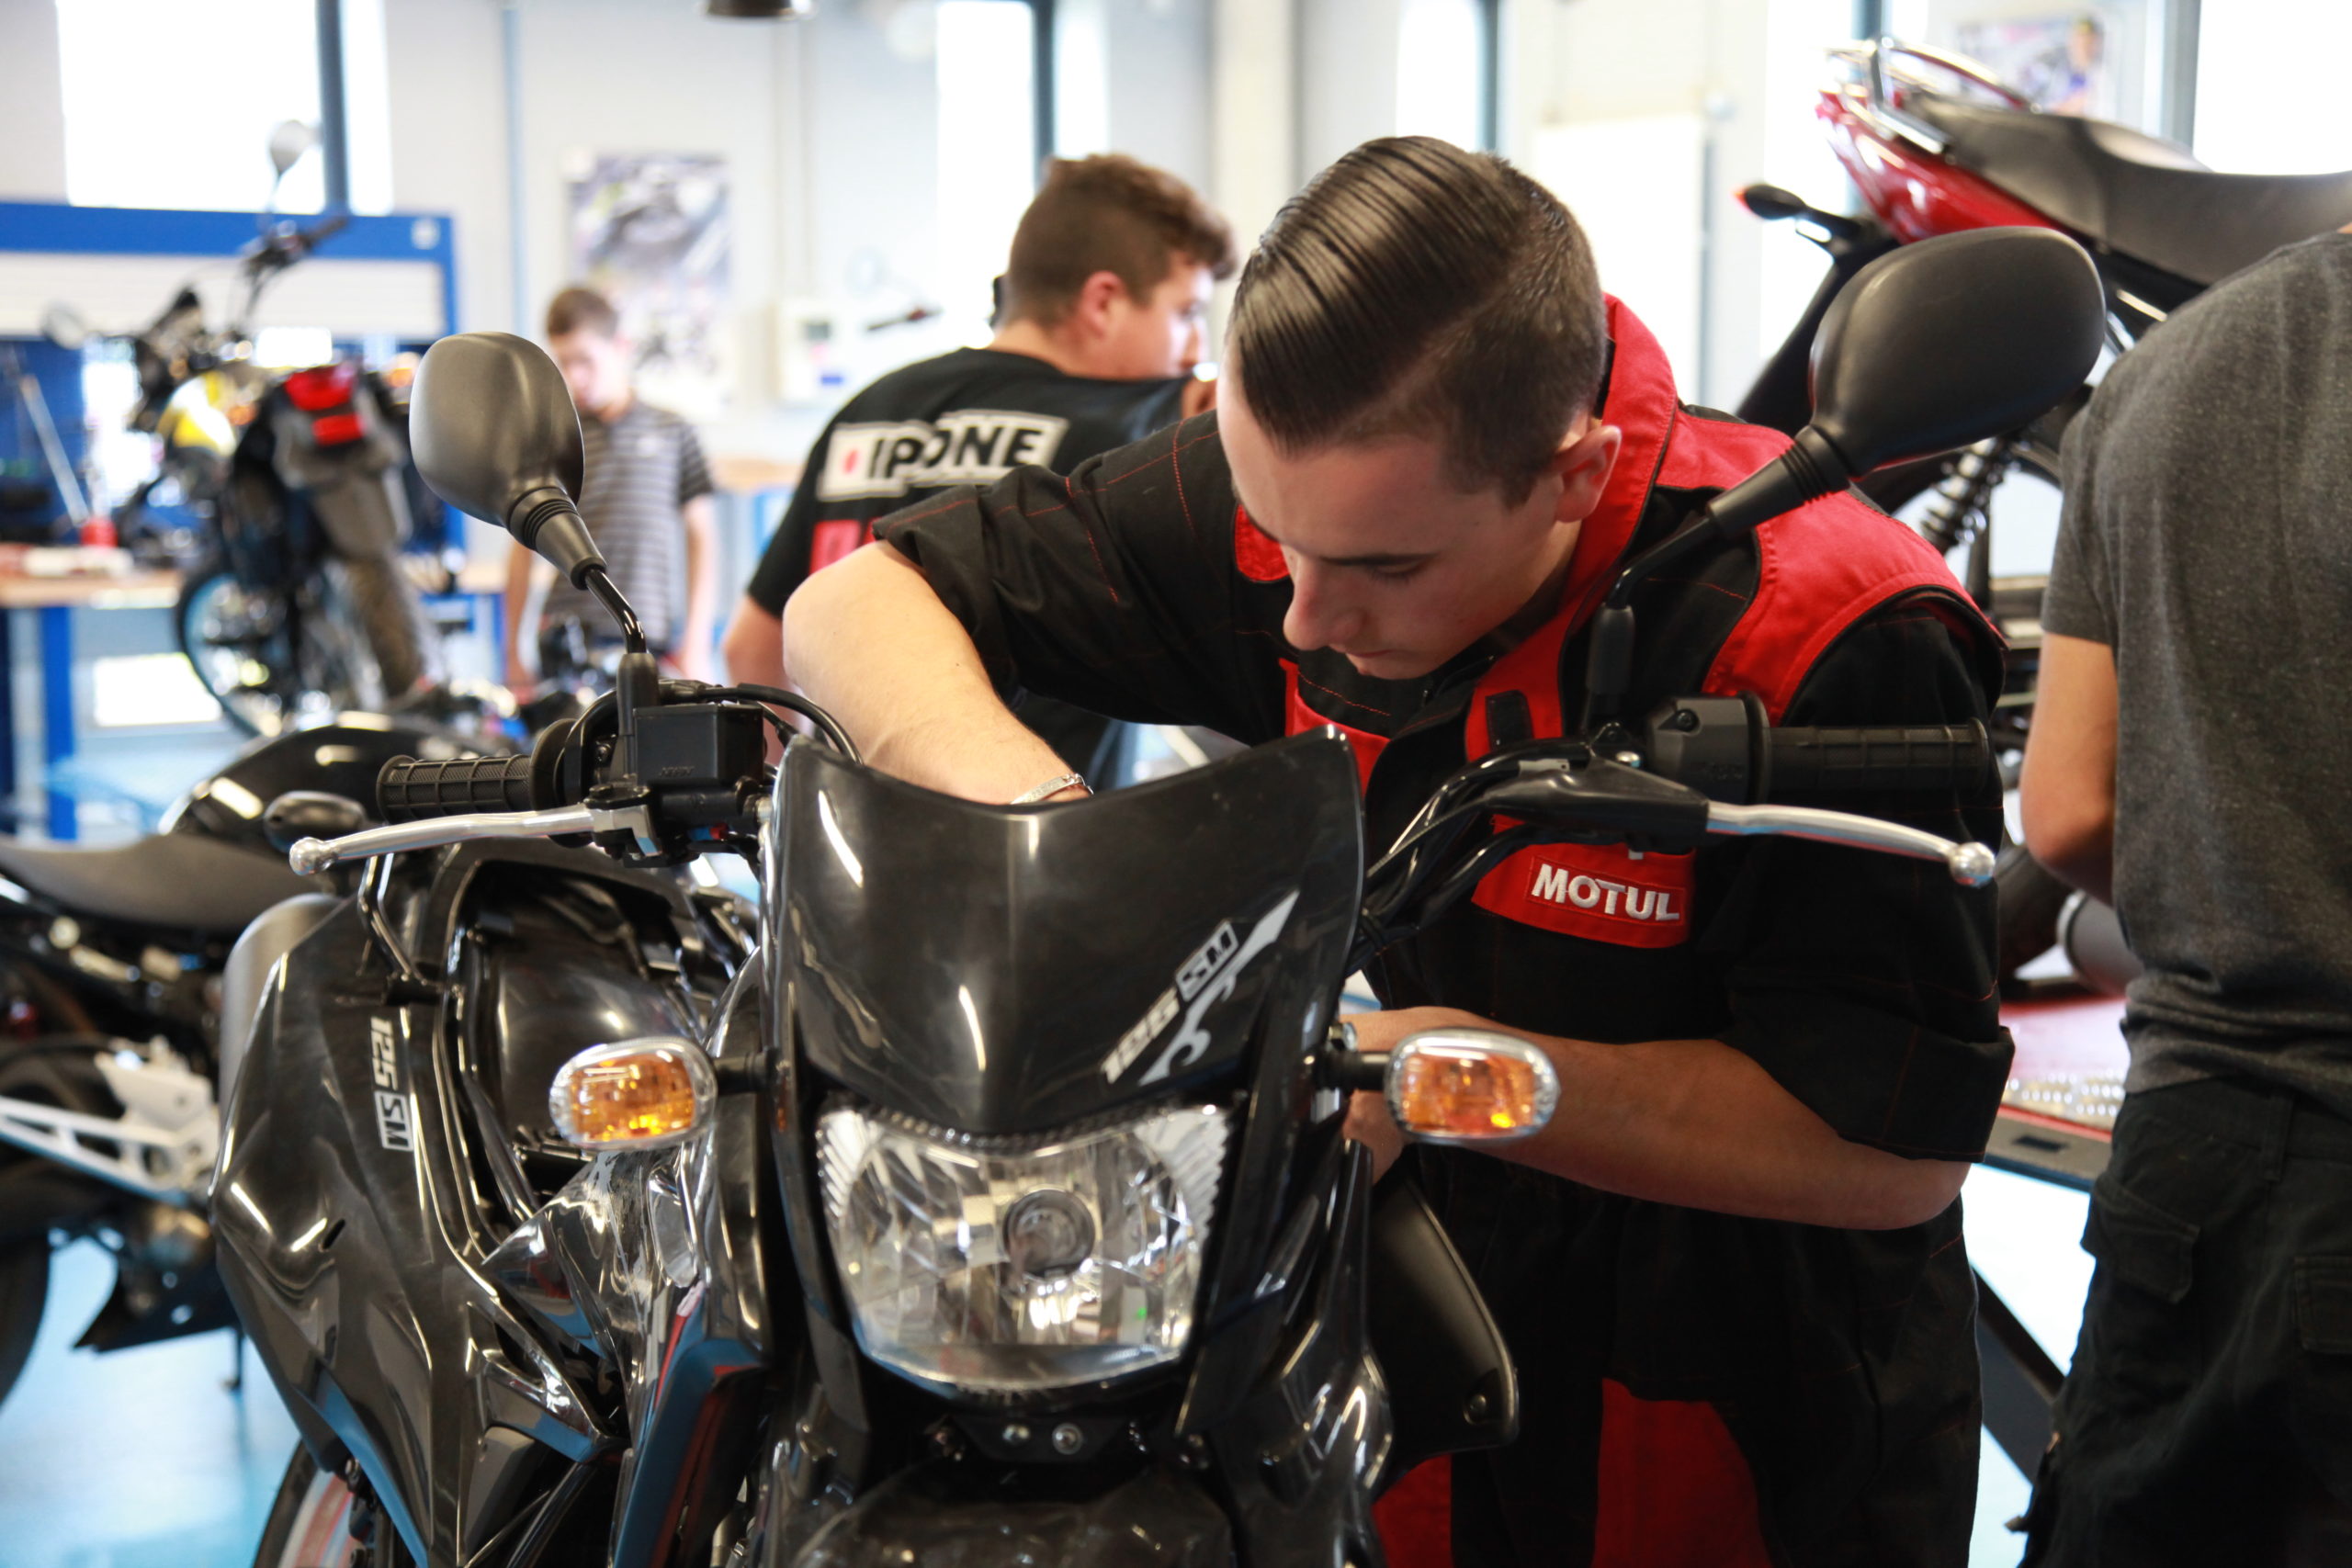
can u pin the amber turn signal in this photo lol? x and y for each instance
(639, 1094)
(1458, 1086)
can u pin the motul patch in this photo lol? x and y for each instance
(1600, 892)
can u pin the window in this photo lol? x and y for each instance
(1446, 68)
(2268, 72)
(988, 147)
(170, 103)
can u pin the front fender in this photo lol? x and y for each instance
(1159, 1519)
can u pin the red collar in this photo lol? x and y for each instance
(1640, 403)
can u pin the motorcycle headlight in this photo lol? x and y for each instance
(1016, 1270)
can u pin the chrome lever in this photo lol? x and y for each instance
(311, 856)
(1970, 864)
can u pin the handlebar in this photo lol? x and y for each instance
(408, 790)
(1940, 758)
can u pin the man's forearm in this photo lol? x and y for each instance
(518, 607)
(868, 640)
(1696, 1124)
(702, 574)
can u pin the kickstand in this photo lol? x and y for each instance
(236, 1384)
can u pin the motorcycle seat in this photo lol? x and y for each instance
(175, 882)
(2137, 194)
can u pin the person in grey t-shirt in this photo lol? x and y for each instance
(646, 498)
(2190, 759)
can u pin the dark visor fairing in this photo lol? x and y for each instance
(1001, 971)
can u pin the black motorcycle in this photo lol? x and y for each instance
(115, 979)
(295, 605)
(984, 1200)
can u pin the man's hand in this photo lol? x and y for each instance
(1368, 1122)
(520, 680)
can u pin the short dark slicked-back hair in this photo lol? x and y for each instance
(578, 309)
(1108, 213)
(1416, 287)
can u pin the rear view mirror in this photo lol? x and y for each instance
(1954, 340)
(1462, 1086)
(495, 434)
(287, 142)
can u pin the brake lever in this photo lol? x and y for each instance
(1970, 864)
(311, 856)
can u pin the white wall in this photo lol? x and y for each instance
(32, 121)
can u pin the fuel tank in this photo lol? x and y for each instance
(384, 1141)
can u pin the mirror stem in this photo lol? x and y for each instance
(1808, 471)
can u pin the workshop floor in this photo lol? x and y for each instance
(145, 1458)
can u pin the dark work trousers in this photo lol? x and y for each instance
(2207, 1415)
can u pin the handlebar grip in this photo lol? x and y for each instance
(409, 790)
(1942, 757)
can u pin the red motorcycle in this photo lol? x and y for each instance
(1936, 144)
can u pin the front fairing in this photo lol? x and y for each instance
(1001, 971)
(1011, 973)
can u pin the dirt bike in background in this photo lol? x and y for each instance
(1936, 144)
(295, 604)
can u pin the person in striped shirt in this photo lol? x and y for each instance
(647, 499)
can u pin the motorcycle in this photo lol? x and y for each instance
(119, 1012)
(982, 1195)
(1935, 144)
(296, 605)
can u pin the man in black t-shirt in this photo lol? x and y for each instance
(1103, 298)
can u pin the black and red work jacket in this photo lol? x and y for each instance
(1832, 1373)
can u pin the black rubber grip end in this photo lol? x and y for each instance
(1946, 758)
(409, 790)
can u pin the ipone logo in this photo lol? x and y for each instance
(969, 447)
(1619, 900)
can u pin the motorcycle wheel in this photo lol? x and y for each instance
(238, 643)
(318, 1522)
(390, 615)
(24, 1290)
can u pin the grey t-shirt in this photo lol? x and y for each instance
(642, 469)
(2208, 540)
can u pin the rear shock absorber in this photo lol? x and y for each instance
(1957, 515)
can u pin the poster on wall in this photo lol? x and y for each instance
(2062, 61)
(650, 231)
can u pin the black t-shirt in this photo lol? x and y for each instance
(1862, 984)
(968, 417)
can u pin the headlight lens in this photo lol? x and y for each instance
(1022, 1270)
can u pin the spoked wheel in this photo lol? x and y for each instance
(319, 1522)
(241, 645)
(271, 662)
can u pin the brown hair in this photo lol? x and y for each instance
(1107, 213)
(1416, 287)
(578, 309)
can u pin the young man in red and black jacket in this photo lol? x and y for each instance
(1730, 1272)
